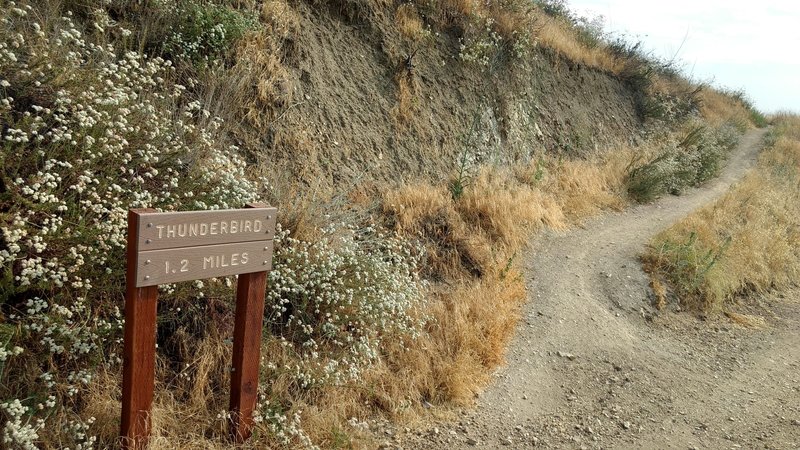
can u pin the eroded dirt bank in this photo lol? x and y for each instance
(344, 116)
(593, 366)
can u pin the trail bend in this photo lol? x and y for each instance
(591, 366)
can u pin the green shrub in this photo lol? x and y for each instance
(758, 118)
(555, 8)
(590, 32)
(728, 136)
(204, 32)
(693, 160)
(686, 264)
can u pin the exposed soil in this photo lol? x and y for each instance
(342, 122)
(594, 366)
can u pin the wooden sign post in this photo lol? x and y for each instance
(172, 247)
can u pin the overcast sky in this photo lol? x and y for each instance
(749, 45)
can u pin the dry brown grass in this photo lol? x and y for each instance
(554, 33)
(472, 244)
(746, 320)
(258, 86)
(660, 292)
(407, 88)
(514, 18)
(501, 208)
(409, 22)
(718, 108)
(260, 55)
(761, 219)
(427, 213)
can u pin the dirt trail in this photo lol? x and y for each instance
(592, 366)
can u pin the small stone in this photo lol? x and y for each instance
(626, 425)
(507, 441)
(796, 423)
(569, 356)
(472, 441)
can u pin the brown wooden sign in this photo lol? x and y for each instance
(173, 247)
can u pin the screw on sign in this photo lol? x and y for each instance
(182, 246)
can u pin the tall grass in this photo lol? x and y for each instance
(745, 242)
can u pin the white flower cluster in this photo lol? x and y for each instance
(86, 132)
(523, 44)
(334, 301)
(5, 353)
(288, 431)
(19, 429)
(481, 48)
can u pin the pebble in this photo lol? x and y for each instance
(569, 356)
(472, 441)
(626, 425)
(508, 441)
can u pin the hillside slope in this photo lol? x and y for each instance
(349, 82)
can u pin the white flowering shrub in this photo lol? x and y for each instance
(482, 46)
(332, 302)
(523, 44)
(689, 162)
(728, 135)
(204, 31)
(86, 131)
